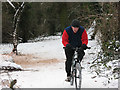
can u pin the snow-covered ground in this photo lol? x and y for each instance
(51, 73)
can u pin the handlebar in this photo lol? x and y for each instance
(88, 47)
(78, 48)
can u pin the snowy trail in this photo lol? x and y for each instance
(52, 75)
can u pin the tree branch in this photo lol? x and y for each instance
(11, 4)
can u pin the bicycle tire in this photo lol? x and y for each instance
(78, 76)
(72, 77)
(72, 73)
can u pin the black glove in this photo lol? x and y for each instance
(68, 46)
(80, 55)
(83, 46)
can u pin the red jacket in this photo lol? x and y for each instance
(75, 39)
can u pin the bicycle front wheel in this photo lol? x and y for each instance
(78, 76)
(72, 77)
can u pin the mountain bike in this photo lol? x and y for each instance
(76, 70)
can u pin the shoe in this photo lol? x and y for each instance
(68, 79)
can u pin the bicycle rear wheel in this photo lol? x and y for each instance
(78, 76)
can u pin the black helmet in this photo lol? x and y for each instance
(75, 23)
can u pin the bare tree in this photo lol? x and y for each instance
(18, 11)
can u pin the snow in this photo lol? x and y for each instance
(91, 30)
(51, 75)
(6, 60)
(5, 48)
(47, 49)
(11, 65)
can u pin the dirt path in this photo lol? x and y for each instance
(27, 61)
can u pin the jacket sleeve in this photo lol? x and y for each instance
(84, 38)
(65, 37)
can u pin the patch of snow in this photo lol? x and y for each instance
(6, 48)
(47, 49)
(6, 64)
(5, 58)
(7, 61)
(90, 31)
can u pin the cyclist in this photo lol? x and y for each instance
(74, 36)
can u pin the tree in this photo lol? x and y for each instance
(18, 10)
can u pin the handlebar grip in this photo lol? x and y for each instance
(88, 47)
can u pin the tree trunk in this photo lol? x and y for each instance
(15, 24)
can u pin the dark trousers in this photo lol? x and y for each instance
(69, 56)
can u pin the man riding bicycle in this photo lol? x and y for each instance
(74, 36)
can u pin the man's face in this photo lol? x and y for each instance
(75, 29)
